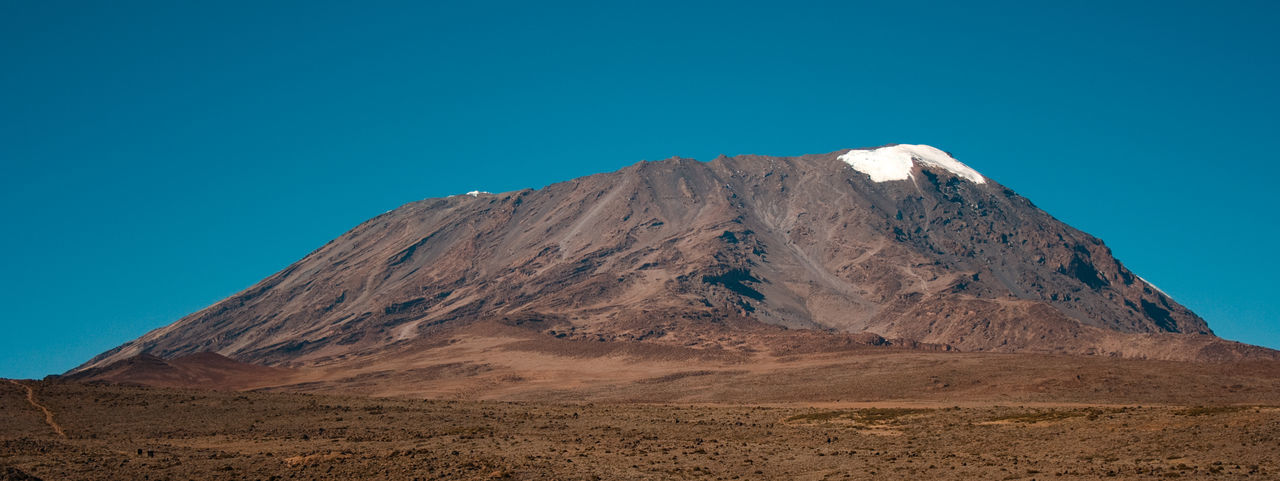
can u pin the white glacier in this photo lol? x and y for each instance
(894, 162)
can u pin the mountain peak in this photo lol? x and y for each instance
(894, 162)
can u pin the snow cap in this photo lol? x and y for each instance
(894, 162)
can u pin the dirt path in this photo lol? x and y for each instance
(48, 415)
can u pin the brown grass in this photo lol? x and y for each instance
(1210, 410)
(118, 432)
(863, 416)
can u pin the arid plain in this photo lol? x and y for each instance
(870, 413)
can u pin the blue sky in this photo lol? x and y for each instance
(158, 157)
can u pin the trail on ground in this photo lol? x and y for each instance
(48, 415)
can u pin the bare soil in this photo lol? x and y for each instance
(122, 432)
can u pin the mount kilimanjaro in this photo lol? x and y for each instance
(900, 246)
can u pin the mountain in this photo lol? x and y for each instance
(900, 245)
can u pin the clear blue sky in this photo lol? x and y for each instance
(158, 157)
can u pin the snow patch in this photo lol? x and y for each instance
(895, 162)
(1153, 286)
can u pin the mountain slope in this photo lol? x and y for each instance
(923, 250)
(205, 369)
